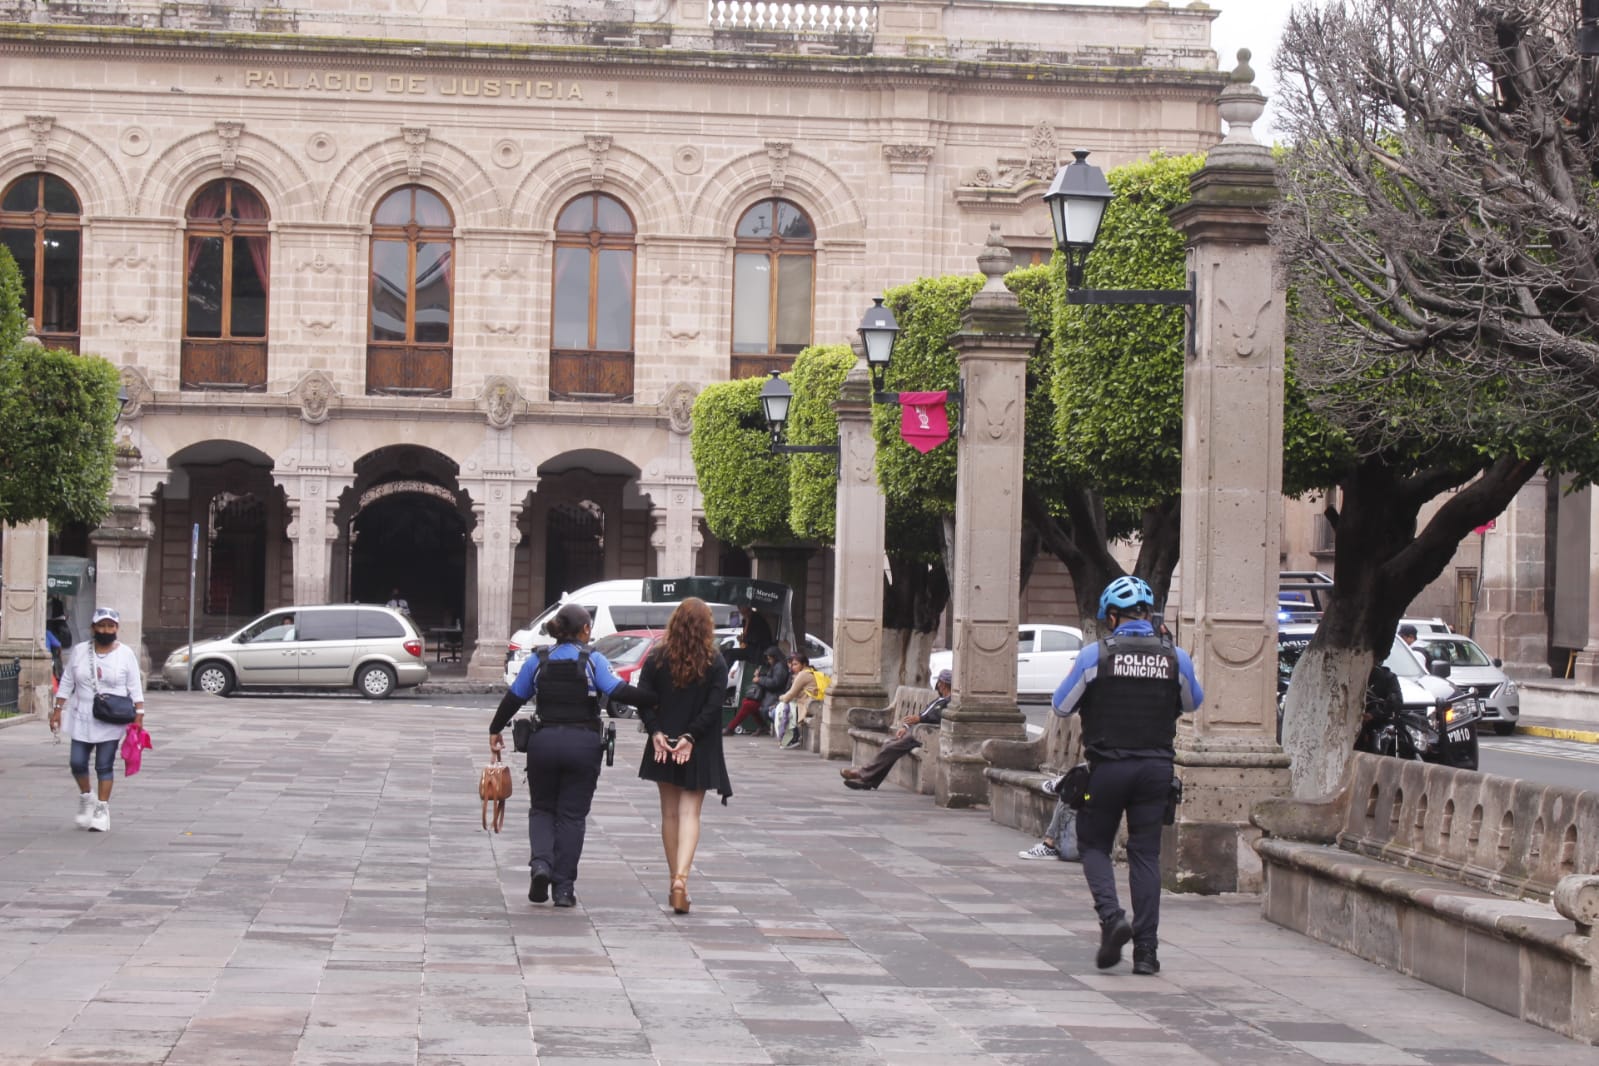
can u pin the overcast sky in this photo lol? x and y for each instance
(1252, 24)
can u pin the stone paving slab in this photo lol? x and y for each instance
(304, 882)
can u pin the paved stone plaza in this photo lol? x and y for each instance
(304, 881)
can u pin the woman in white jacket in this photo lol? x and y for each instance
(99, 665)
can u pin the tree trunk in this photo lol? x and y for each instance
(1381, 564)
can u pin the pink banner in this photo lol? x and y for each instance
(924, 419)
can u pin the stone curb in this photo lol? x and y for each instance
(18, 719)
(1581, 736)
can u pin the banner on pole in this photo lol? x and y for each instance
(924, 419)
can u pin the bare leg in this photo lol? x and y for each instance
(105, 790)
(83, 782)
(689, 802)
(669, 805)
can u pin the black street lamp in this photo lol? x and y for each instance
(776, 398)
(879, 332)
(1077, 199)
(122, 399)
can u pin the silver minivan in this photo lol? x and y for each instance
(374, 649)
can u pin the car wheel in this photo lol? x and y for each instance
(215, 678)
(1505, 729)
(375, 681)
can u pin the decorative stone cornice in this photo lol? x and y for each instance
(908, 158)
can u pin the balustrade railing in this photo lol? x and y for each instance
(793, 18)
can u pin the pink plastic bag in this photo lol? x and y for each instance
(134, 741)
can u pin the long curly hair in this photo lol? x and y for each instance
(689, 647)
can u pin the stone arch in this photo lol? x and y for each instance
(826, 197)
(101, 184)
(567, 172)
(375, 169)
(196, 159)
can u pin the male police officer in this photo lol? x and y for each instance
(1129, 688)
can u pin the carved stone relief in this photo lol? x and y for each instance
(416, 138)
(1009, 172)
(39, 126)
(678, 407)
(498, 400)
(134, 141)
(688, 159)
(777, 152)
(506, 153)
(316, 394)
(599, 144)
(138, 388)
(320, 147)
(908, 158)
(228, 133)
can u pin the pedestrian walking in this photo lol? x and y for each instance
(101, 664)
(1129, 689)
(688, 678)
(563, 755)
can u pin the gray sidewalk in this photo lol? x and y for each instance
(304, 881)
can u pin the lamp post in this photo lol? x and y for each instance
(776, 398)
(1077, 199)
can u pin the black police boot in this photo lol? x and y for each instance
(565, 896)
(538, 889)
(1144, 960)
(1113, 936)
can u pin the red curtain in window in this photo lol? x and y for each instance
(250, 209)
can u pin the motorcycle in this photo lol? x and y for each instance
(1393, 729)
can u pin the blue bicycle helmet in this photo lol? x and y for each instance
(1125, 592)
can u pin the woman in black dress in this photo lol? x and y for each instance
(684, 756)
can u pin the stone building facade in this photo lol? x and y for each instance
(419, 295)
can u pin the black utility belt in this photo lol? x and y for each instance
(592, 725)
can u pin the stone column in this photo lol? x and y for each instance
(311, 527)
(1511, 622)
(858, 571)
(1587, 669)
(992, 347)
(675, 512)
(25, 561)
(121, 559)
(496, 536)
(1227, 754)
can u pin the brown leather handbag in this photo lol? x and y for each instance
(494, 786)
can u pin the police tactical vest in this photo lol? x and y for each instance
(1132, 703)
(564, 692)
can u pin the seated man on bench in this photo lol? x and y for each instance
(871, 775)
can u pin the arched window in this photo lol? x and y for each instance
(39, 225)
(774, 281)
(226, 271)
(408, 338)
(591, 335)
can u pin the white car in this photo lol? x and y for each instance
(1045, 654)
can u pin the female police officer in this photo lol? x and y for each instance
(563, 756)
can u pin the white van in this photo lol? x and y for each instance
(615, 606)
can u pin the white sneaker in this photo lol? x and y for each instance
(85, 809)
(100, 820)
(1039, 850)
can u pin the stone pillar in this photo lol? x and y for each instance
(992, 346)
(675, 512)
(1511, 622)
(495, 536)
(1227, 754)
(858, 571)
(121, 559)
(1587, 667)
(25, 561)
(313, 531)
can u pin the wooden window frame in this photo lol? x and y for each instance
(225, 361)
(775, 247)
(39, 220)
(409, 367)
(593, 364)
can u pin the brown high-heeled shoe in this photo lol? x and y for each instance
(679, 897)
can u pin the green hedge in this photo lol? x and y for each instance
(817, 377)
(745, 487)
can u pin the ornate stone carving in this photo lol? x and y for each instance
(908, 158)
(777, 152)
(416, 138)
(130, 258)
(317, 326)
(687, 159)
(504, 269)
(317, 264)
(39, 127)
(134, 141)
(138, 389)
(598, 144)
(320, 147)
(506, 153)
(678, 407)
(228, 133)
(498, 400)
(1012, 172)
(316, 393)
(1242, 327)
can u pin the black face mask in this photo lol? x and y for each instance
(105, 640)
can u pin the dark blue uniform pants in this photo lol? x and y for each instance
(563, 766)
(1139, 789)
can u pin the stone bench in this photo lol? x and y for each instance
(872, 727)
(1017, 770)
(1482, 885)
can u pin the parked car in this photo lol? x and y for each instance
(375, 649)
(625, 652)
(1302, 595)
(1470, 667)
(1453, 712)
(613, 605)
(1045, 654)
